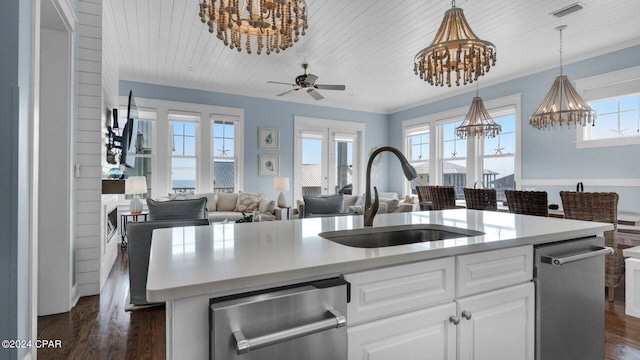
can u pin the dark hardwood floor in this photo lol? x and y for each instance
(98, 327)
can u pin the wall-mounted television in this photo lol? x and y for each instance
(130, 136)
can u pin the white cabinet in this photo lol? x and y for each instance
(425, 334)
(500, 324)
(411, 311)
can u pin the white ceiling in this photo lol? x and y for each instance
(367, 45)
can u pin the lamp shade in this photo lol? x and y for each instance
(281, 183)
(135, 185)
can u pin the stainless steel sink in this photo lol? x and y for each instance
(376, 237)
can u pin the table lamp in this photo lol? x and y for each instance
(135, 185)
(281, 184)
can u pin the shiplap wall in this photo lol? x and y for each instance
(110, 99)
(93, 258)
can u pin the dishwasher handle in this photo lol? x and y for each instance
(559, 261)
(244, 345)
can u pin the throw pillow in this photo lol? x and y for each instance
(226, 201)
(181, 196)
(383, 208)
(322, 205)
(267, 206)
(349, 200)
(177, 209)
(247, 202)
(358, 209)
(392, 204)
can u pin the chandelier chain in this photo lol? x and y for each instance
(560, 49)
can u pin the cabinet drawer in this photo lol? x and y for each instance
(388, 291)
(492, 270)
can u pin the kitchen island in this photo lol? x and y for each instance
(189, 266)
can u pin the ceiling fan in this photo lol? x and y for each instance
(308, 81)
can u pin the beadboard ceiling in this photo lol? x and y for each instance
(367, 45)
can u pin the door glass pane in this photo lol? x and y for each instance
(311, 166)
(344, 167)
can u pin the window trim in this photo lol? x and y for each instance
(498, 106)
(184, 119)
(238, 148)
(162, 152)
(610, 85)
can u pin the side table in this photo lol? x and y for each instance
(124, 219)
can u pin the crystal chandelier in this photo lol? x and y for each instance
(562, 105)
(478, 121)
(276, 24)
(454, 50)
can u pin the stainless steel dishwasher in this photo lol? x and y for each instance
(570, 299)
(305, 321)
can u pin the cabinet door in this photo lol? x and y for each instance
(418, 335)
(500, 324)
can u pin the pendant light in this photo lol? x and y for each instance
(478, 121)
(562, 105)
(456, 51)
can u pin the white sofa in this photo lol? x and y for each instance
(354, 204)
(229, 206)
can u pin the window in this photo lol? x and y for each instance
(499, 157)
(616, 118)
(418, 139)
(442, 158)
(178, 140)
(453, 160)
(615, 97)
(224, 156)
(183, 156)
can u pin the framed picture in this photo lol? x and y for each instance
(268, 139)
(269, 165)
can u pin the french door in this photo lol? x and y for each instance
(328, 157)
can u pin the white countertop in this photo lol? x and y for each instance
(225, 259)
(633, 252)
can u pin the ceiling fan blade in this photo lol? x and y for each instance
(330, 87)
(314, 94)
(281, 83)
(310, 79)
(286, 92)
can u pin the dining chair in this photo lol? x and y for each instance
(481, 199)
(527, 202)
(442, 197)
(423, 198)
(601, 207)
